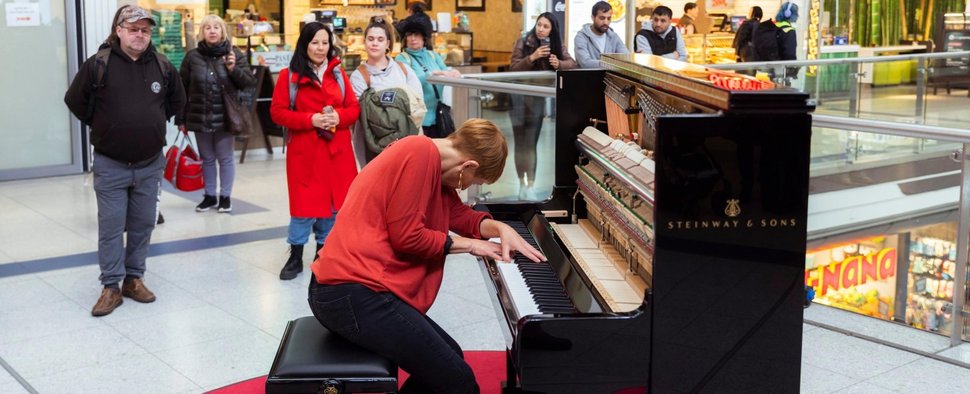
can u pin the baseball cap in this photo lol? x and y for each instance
(132, 14)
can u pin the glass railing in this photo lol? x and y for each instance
(881, 191)
(523, 105)
(920, 88)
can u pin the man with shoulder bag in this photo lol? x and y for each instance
(126, 93)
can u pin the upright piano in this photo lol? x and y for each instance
(675, 237)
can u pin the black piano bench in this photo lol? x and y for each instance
(311, 359)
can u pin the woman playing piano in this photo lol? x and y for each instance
(382, 265)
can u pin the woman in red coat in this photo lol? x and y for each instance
(319, 161)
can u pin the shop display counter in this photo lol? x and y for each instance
(889, 73)
(714, 48)
(835, 78)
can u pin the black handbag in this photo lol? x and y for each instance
(237, 117)
(443, 120)
(442, 112)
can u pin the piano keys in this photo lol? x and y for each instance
(662, 277)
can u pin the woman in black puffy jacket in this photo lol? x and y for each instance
(205, 70)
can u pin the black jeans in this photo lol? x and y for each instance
(382, 323)
(526, 117)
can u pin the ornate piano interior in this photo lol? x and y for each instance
(675, 237)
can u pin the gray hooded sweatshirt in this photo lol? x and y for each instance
(588, 53)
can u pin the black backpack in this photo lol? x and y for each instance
(766, 40)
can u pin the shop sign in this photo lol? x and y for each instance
(275, 60)
(812, 36)
(23, 14)
(853, 271)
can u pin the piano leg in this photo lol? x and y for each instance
(509, 386)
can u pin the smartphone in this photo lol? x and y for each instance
(326, 134)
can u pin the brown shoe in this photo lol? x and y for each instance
(136, 290)
(109, 300)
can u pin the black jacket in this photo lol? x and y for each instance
(132, 105)
(203, 73)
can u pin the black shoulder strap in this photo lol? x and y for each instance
(100, 65)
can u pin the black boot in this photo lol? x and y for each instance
(294, 265)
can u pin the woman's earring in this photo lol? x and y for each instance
(459, 178)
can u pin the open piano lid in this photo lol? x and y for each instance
(708, 86)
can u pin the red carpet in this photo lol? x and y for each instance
(489, 372)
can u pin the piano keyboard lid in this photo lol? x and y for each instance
(696, 83)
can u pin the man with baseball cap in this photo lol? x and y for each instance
(126, 93)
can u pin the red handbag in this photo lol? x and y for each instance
(183, 168)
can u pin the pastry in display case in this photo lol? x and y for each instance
(714, 48)
(454, 47)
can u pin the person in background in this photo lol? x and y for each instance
(743, 47)
(416, 12)
(383, 265)
(319, 159)
(540, 49)
(659, 37)
(595, 39)
(126, 105)
(382, 73)
(419, 54)
(787, 43)
(686, 22)
(205, 72)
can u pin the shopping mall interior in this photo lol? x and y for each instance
(853, 156)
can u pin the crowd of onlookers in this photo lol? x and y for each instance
(336, 123)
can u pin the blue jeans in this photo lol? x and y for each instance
(299, 229)
(383, 324)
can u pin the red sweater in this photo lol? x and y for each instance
(390, 234)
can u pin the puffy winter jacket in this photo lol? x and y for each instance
(203, 72)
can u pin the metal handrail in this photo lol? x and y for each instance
(494, 86)
(847, 60)
(513, 74)
(892, 128)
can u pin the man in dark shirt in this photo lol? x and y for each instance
(126, 93)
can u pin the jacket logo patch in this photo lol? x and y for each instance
(156, 87)
(388, 97)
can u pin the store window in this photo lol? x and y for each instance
(858, 276)
(254, 24)
(906, 277)
(35, 125)
(933, 255)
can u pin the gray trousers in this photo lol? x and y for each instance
(217, 146)
(127, 195)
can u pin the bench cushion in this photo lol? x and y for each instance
(310, 355)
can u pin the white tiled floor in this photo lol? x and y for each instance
(221, 311)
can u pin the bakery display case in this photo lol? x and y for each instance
(455, 48)
(713, 48)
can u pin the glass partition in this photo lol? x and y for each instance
(523, 105)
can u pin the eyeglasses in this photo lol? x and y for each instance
(134, 30)
(377, 19)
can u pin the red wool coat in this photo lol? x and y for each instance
(318, 172)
